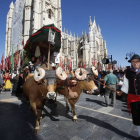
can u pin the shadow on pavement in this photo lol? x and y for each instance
(16, 122)
(106, 126)
(96, 101)
(59, 110)
(125, 110)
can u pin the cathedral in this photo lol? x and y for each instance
(25, 17)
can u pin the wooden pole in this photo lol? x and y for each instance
(48, 55)
(102, 84)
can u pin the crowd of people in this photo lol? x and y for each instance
(102, 78)
(13, 81)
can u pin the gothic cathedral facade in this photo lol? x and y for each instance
(25, 17)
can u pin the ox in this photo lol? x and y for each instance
(41, 87)
(72, 93)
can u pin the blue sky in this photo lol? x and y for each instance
(119, 21)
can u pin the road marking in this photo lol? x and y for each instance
(106, 109)
(101, 112)
(9, 100)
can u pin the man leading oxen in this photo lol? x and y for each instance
(41, 87)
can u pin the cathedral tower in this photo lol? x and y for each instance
(39, 13)
(8, 29)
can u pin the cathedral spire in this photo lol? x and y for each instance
(94, 23)
(85, 33)
(77, 37)
(64, 29)
(11, 5)
(74, 35)
(99, 29)
(90, 22)
(70, 33)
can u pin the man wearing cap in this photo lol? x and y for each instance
(131, 86)
(111, 81)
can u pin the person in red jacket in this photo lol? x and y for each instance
(131, 86)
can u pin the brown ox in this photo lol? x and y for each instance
(82, 83)
(41, 87)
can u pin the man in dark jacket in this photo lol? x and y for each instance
(15, 83)
(20, 84)
(131, 86)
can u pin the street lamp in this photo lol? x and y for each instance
(106, 60)
(129, 55)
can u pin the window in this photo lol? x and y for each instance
(49, 13)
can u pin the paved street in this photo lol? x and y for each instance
(95, 121)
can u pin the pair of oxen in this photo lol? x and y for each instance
(44, 84)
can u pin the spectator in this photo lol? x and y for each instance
(33, 60)
(31, 67)
(15, 83)
(7, 81)
(26, 72)
(120, 77)
(102, 90)
(98, 79)
(111, 81)
(20, 84)
(38, 63)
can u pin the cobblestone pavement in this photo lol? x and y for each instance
(95, 121)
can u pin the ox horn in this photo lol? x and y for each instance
(95, 71)
(62, 75)
(81, 74)
(38, 71)
(39, 74)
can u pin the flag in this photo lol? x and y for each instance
(9, 63)
(23, 42)
(2, 60)
(84, 66)
(70, 66)
(67, 63)
(12, 60)
(6, 63)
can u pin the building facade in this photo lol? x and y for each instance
(25, 17)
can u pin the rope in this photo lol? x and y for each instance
(102, 84)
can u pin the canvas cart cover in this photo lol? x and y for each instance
(42, 36)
